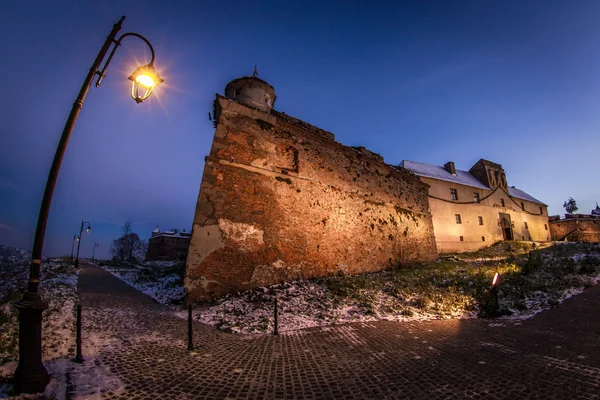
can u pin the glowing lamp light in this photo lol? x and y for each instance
(88, 230)
(495, 279)
(143, 82)
(78, 239)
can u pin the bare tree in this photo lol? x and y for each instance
(129, 247)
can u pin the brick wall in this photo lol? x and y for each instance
(282, 200)
(578, 230)
(167, 248)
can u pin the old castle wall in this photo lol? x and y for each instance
(282, 200)
(576, 229)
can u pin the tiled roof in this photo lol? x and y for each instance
(437, 172)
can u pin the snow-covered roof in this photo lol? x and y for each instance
(180, 235)
(437, 172)
(519, 194)
(461, 177)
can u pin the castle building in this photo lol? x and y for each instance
(281, 199)
(472, 209)
(168, 245)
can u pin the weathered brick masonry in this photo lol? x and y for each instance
(281, 200)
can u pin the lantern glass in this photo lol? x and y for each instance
(143, 82)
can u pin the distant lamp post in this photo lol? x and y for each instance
(31, 376)
(73, 245)
(94, 252)
(88, 230)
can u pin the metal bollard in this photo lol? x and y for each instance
(276, 330)
(190, 333)
(79, 356)
(494, 293)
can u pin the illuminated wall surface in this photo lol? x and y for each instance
(474, 235)
(282, 200)
(576, 228)
(473, 209)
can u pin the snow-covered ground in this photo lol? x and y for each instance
(454, 290)
(58, 286)
(454, 287)
(161, 280)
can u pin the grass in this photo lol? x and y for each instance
(462, 282)
(531, 278)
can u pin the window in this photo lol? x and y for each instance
(480, 220)
(476, 197)
(458, 221)
(545, 227)
(541, 211)
(502, 203)
(523, 237)
(530, 238)
(526, 227)
(453, 194)
(522, 206)
(483, 238)
(462, 239)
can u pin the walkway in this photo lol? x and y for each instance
(555, 355)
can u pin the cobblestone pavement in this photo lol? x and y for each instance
(555, 355)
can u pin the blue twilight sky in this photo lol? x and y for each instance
(516, 82)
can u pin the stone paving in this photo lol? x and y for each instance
(555, 355)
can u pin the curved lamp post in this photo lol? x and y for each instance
(31, 376)
(88, 230)
(94, 252)
(73, 246)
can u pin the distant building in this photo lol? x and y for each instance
(168, 245)
(472, 209)
(577, 227)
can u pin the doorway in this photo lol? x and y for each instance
(506, 226)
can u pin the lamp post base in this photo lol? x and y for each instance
(30, 376)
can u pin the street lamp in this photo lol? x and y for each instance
(94, 252)
(73, 245)
(88, 230)
(31, 376)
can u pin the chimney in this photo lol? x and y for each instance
(449, 166)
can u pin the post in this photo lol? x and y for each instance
(190, 333)
(276, 328)
(73, 246)
(79, 245)
(31, 376)
(495, 299)
(494, 293)
(79, 356)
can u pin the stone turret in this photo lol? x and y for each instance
(252, 91)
